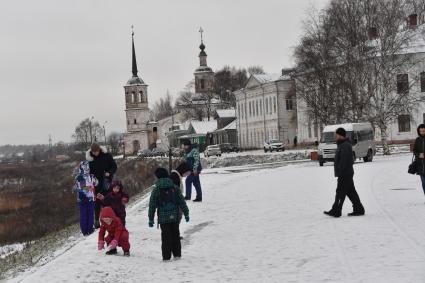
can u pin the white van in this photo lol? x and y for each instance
(360, 135)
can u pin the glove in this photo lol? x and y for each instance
(187, 218)
(113, 244)
(100, 196)
(151, 223)
(100, 245)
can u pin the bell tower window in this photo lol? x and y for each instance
(202, 83)
(140, 96)
(135, 122)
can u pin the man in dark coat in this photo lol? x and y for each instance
(419, 152)
(343, 167)
(103, 167)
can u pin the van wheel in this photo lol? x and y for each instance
(265, 150)
(321, 163)
(369, 156)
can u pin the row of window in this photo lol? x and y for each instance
(134, 122)
(257, 137)
(134, 97)
(403, 83)
(255, 108)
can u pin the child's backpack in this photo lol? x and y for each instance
(167, 199)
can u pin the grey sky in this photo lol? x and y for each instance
(63, 61)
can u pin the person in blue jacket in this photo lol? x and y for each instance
(193, 159)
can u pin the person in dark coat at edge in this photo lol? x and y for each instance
(103, 167)
(419, 152)
(193, 158)
(343, 167)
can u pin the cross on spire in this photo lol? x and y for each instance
(201, 31)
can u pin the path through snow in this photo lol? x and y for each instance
(268, 226)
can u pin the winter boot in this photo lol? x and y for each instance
(112, 252)
(187, 198)
(197, 200)
(333, 213)
(357, 213)
(126, 253)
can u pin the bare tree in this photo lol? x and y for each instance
(114, 142)
(87, 132)
(391, 64)
(255, 70)
(353, 63)
(163, 108)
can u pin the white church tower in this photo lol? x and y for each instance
(137, 111)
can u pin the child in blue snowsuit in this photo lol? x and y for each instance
(84, 185)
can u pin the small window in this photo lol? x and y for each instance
(289, 104)
(135, 122)
(404, 123)
(202, 83)
(256, 108)
(309, 129)
(402, 84)
(270, 106)
(274, 104)
(267, 105)
(412, 20)
(250, 109)
(423, 82)
(141, 96)
(261, 107)
(128, 122)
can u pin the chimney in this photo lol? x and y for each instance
(412, 20)
(372, 33)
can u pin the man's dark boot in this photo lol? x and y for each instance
(357, 213)
(333, 213)
(336, 208)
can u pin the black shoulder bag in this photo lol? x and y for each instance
(412, 167)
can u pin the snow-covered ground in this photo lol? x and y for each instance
(8, 250)
(266, 225)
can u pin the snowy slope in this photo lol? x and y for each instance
(268, 226)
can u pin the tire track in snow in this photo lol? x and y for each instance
(413, 243)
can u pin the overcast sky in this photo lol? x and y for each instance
(63, 61)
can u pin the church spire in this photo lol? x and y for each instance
(134, 66)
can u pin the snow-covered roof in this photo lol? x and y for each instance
(266, 78)
(226, 113)
(204, 127)
(230, 126)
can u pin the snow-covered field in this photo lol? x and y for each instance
(266, 225)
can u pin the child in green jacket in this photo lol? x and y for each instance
(166, 198)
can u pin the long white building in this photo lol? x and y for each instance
(266, 110)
